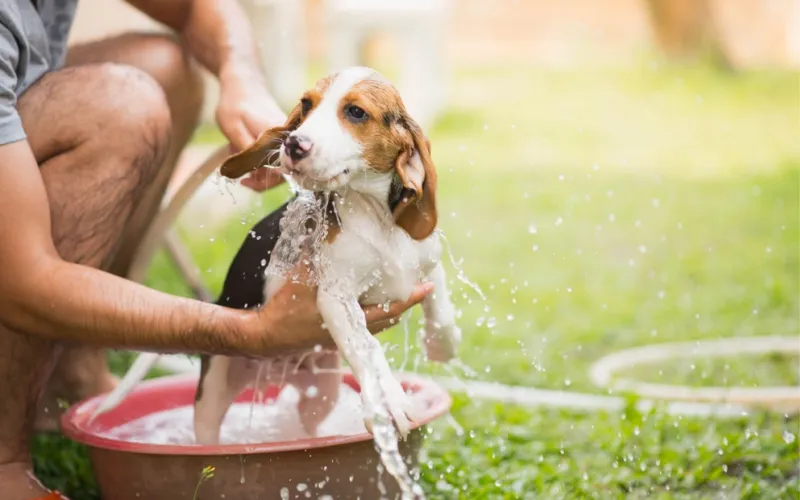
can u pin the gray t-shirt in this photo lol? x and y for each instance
(33, 41)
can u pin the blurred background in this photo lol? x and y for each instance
(613, 173)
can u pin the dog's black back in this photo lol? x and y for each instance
(244, 284)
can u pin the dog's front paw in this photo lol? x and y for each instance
(441, 342)
(383, 396)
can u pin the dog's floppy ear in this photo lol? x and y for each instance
(416, 212)
(263, 150)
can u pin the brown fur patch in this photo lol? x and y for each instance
(383, 135)
(389, 138)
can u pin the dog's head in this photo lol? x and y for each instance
(352, 129)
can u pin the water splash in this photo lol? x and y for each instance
(276, 420)
(304, 228)
(462, 277)
(406, 322)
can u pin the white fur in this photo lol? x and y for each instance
(371, 261)
(335, 155)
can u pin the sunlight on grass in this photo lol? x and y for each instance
(598, 210)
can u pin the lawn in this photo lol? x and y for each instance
(597, 209)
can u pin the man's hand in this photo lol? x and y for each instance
(246, 110)
(218, 34)
(291, 317)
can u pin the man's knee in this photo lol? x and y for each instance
(133, 117)
(162, 56)
(118, 110)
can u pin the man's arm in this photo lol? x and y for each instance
(217, 31)
(43, 295)
(219, 36)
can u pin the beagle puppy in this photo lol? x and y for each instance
(351, 143)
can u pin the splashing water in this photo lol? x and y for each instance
(383, 430)
(304, 227)
(406, 321)
(247, 423)
(457, 266)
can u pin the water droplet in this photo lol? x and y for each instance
(535, 248)
(532, 229)
(510, 317)
(788, 437)
(284, 493)
(559, 221)
(491, 322)
(302, 487)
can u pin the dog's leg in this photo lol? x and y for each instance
(319, 390)
(380, 390)
(442, 335)
(222, 380)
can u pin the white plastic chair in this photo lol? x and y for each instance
(418, 26)
(279, 28)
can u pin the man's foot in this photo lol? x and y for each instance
(58, 397)
(19, 483)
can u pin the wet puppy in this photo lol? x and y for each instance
(351, 141)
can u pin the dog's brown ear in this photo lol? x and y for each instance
(416, 212)
(263, 151)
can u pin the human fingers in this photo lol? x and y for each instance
(236, 132)
(262, 179)
(378, 313)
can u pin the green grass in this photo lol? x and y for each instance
(598, 210)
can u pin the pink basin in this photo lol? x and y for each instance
(341, 467)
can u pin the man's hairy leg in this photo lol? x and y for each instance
(82, 371)
(99, 134)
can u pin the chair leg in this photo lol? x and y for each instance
(183, 261)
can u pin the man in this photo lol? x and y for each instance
(85, 134)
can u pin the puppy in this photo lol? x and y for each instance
(349, 141)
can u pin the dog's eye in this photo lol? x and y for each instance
(356, 114)
(306, 105)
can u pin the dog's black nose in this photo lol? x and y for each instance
(297, 147)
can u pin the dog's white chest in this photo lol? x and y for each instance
(379, 261)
